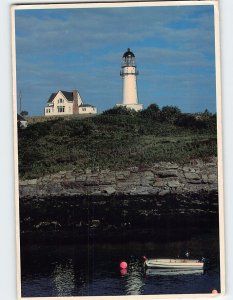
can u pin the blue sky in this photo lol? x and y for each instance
(66, 49)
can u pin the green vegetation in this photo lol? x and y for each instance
(116, 139)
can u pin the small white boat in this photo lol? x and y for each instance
(174, 263)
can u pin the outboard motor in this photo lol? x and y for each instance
(203, 259)
(144, 261)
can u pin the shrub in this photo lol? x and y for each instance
(120, 110)
(114, 141)
(169, 114)
(152, 111)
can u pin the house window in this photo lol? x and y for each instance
(47, 110)
(61, 109)
(84, 109)
(60, 100)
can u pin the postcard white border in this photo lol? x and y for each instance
(103, 4)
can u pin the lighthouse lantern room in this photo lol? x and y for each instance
(129, 75)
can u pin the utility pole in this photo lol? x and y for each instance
(20, 102)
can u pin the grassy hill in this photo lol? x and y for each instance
(116, 139)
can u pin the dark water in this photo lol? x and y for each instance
(93, 269)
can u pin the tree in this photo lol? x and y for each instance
(152, 111)
(206, 114)
(120, 110)
(189, 121)
(170, 114)
(24, 113)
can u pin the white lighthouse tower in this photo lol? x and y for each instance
(129, 75)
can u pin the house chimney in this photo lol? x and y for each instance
(75, 102)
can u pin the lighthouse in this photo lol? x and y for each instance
(129, 75)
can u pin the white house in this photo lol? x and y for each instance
(67, 103)
(21, 121)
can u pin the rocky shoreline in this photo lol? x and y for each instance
(105, 205)
(117, 217)
(160, 179)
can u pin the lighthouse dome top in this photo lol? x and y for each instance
(128, 53)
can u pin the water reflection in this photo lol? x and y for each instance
(172, 272)
(64, 278)
(134, 280)
(71, 270)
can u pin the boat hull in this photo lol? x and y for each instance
(181, 264)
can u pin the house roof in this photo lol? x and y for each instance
(52, 97)
(68, 95)
(86, 105)
(20, 118)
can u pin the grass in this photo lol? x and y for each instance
(109, 141)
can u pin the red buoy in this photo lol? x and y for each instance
(123, 265)
(214, 292)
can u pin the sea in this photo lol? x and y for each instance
(93, 268)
